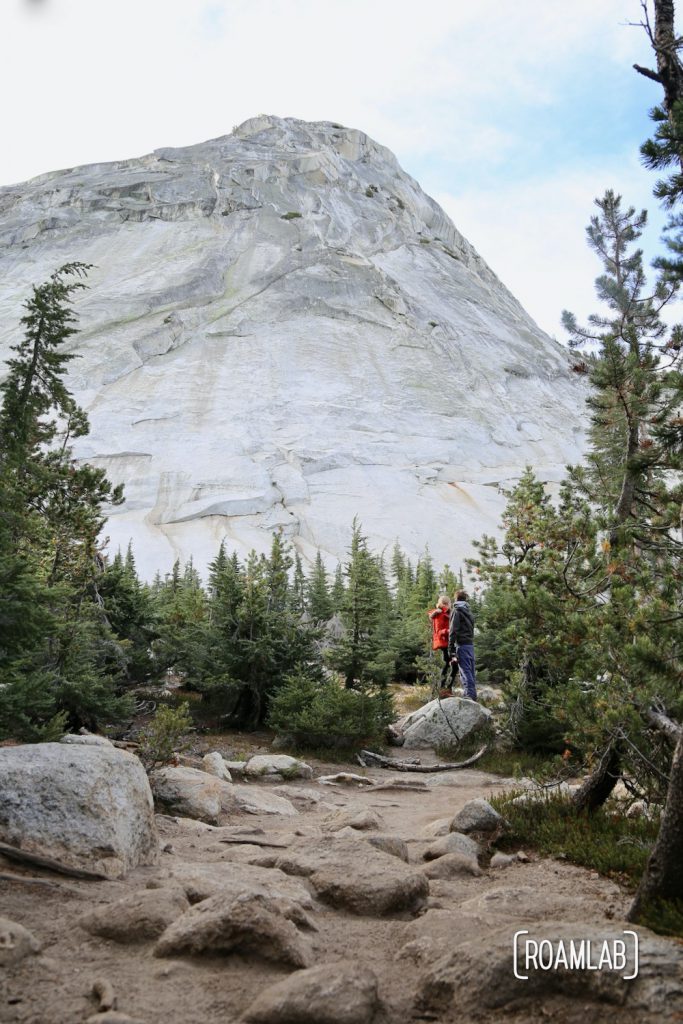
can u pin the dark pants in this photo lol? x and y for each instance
(448, 672)
(467, 673)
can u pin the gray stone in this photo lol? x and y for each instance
(451, 865)
(347, 873)
(253, 799)
(135, 918)
(502, 860)
(86, 807)
(361, 267)
(443, 723)
(230, 880)
(214, 764)
(454, 842)
(478, 976)
(280, 766)
(16, 943)
(393, 845)
(360, 818)
(88, 739)
(439, 827)
(478, 816)
(249, 925)
(300, 794)
(342, 992)
(113, 1017)
(192, 794)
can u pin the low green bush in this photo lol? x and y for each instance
(606, 841)
(322, 713)
(165, 735)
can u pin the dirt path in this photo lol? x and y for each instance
(55, 988)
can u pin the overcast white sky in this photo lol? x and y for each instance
(513, 114)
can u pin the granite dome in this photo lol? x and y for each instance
(283, 330)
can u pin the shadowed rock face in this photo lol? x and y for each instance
(283, 330)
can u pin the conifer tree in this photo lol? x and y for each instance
(318, 600)
(354, 653)
(53, 511)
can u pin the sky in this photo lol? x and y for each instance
(513, 114)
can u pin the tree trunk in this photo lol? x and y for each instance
(663, 878)
(600, 784)
(669, 66)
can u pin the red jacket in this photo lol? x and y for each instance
(440, 622)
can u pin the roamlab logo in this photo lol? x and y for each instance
(543, 954)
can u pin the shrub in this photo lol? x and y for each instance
(165, 735)
(290, 215)
(323, 713)
(605, 841)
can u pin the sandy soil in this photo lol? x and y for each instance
(56, 988)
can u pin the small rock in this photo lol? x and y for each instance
(214, 764)
(451, 865)
(435, 829)
(454, 842)
(359, 818)
(478, 816)
(333, 993)
(521, 855)
(258, 800)
(88, 739)
(301, 794)
(261, 766)
(502, 860)
(392, 845)
(141, 915)
(345, 779)
(16, 943)
(113, 1017)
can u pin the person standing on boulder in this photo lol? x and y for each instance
(461, 643)
(440, 617)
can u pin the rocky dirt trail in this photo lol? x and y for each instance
(301, 917)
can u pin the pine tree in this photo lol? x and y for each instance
(355, 652)
(318, 600)
(53, 511)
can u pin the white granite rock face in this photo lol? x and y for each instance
(283, 330)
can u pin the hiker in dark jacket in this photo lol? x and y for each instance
(440, 618)
(461, 643)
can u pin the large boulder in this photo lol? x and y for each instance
(230, 880)
(334, 993)
(254, 926)
(192, 793)
(443, 723)
(351, 874)
(478, 976)
(86, 808)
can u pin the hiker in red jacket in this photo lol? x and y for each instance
(441, 617)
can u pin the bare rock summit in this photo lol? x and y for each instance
(283, 331)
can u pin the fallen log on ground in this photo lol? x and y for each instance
(370, 760)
